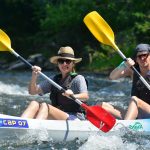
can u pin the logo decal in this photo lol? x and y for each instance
(136, 127)
(15, 123)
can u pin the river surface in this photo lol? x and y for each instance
(14, 98)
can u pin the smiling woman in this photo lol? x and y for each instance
(62, 107)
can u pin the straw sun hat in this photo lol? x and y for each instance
(65, 53)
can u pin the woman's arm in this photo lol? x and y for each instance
(83, 96)
(123, 70)
(33, 87)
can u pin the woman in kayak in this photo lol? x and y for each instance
(61, 107)
(139, 106)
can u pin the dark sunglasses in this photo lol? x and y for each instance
(142, 56)
(67, 61)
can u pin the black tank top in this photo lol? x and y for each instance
(139, 89)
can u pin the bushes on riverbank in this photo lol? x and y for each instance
(43, 26)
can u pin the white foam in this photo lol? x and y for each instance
(109, 142)
(12, 89)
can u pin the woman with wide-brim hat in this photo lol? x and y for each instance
(61, 107)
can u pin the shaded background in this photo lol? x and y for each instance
(43, 26)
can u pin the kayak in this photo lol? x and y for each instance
(60, 130)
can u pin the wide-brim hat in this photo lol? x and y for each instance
(65, 53)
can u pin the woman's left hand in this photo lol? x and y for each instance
(68, 93)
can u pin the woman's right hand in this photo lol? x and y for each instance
(129, 62)
(33, 88)
(36, 70)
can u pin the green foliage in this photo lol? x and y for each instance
(42, 26)
(65, 15)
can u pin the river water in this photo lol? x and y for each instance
(14, 98)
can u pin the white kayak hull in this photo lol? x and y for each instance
(59, 130)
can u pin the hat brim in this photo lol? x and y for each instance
(54, 59)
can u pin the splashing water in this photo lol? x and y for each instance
(103, 142)
(12, 89)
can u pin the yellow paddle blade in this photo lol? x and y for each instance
(5, 43)
(100, 29)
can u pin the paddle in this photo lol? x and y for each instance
(95, 114)
(104, 34)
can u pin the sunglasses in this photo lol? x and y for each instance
(67, 61)
(144, 56)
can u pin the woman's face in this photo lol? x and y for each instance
(65, 65)
(143, 59)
